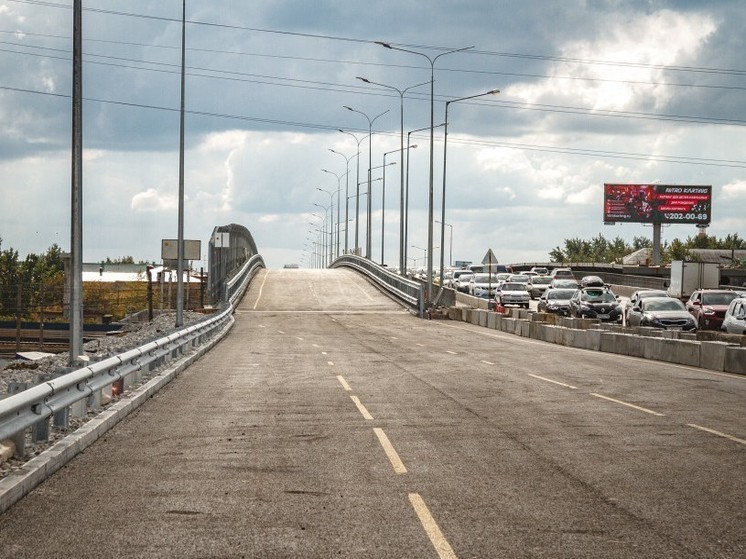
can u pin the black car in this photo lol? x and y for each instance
(596, 302)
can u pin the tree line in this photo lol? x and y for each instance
(601, 249)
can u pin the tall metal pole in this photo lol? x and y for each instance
(76, 206)
(430, 191)
(445, 159)
(180, 240)
(347, 193)
(339, 203)
(368, 240)
(401, 92)
(357, 192)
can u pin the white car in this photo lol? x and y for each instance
(483, 285)
(512, 293)
(735, 317)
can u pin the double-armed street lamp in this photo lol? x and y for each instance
(443, 198)
(432, 60)
(331, 216)
(370, 168)
(357, 181)
(347, 190)
(401, 92)
(339, 178)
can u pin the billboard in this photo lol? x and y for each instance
(657, 203)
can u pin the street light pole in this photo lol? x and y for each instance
(406, 188)
(357, 181)
(443, 197)
(450, 247)
(339, 178)
(347, 193)
(432, 60)
(370, 164)
(401, 92)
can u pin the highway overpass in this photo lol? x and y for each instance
(332, 422)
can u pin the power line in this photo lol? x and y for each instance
(329, 128)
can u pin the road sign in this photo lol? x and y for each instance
(489, 258)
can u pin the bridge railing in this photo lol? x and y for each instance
(402, 289)
(78, 390)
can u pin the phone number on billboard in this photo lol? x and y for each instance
(687, 217)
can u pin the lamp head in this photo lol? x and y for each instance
(384, 45)
(366, 80)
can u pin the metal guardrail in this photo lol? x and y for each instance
(34, 407)
(402, 289)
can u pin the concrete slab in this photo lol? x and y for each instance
(735, 360)
(712, 355)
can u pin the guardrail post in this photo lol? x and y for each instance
(19, 441)
(40, 431)
(79, 409)
(61, 419)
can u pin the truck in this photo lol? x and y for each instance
(687, 277)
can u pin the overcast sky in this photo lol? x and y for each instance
(590, 92)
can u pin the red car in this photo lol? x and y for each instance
(708, 307)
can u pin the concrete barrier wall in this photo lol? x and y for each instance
(647, 343)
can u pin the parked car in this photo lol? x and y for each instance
(592, 281)
(556, 301)
(519, 278)
(448, 278)
(563, 283)
(565, 273)
(483, 285)
(642, 294)
(537, 285)
(661, 312)
(595, 302)
(460, 281)
(708, 306)
(512, 293)
(734, 321)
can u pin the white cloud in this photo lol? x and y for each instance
(623, 86)
(735, 191)
(153, 201)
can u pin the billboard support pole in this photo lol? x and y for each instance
(657, 243)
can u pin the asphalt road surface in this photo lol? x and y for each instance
(332, 423)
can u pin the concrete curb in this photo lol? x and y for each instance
(20, 483)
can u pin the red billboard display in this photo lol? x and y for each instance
(657, 203)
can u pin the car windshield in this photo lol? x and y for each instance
(541, 280)
(717, 298)
(485, 278)
(560, 294)
(598, 296)
(503, 276)
(522, 279)
(513, 286)
(669, 304)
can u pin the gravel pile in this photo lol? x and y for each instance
(32, 372)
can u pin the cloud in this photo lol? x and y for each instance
(153, 201)
(735, 191)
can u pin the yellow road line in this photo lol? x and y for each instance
(344, 384)
(441, 545)
(390, 451)
(361, 407)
